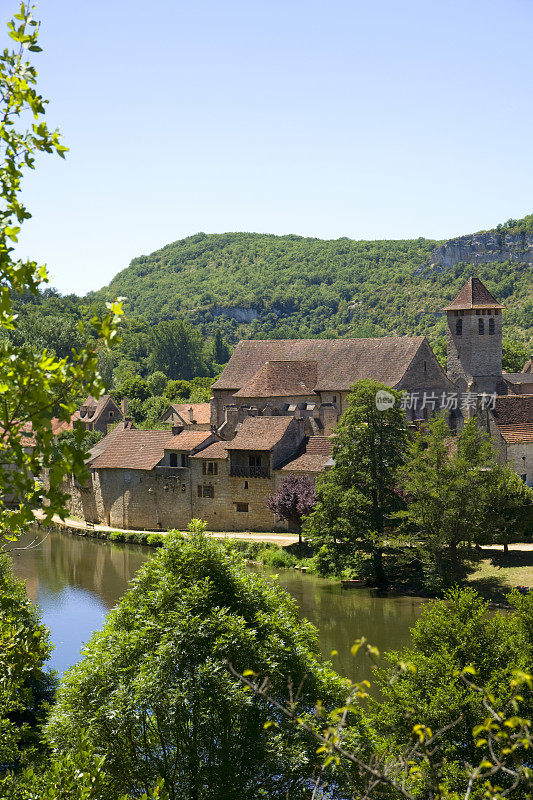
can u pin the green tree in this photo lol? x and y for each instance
(157, 382)
(221, 351)
(26, 687)
(134, 388)
(514, 355)
(449, 483)
(357, 497)
(33, 382)
(155, 694)
(177, 350)
(509, 507)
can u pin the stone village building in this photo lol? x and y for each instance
(273, 411)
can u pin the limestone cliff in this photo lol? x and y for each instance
(480, 248)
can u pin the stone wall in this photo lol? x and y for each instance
(134, 499)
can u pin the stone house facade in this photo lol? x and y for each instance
(510, 425)
(99, 415)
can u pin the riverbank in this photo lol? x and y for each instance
(98, 531)
(490, 571)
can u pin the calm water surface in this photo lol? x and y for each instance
(76, 581)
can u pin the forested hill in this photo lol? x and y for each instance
(263, 286)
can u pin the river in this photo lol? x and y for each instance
(76, 580)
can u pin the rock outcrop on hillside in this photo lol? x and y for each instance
(481, 248)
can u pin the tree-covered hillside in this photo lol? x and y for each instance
(263, 286)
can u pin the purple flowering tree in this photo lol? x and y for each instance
(294, 499)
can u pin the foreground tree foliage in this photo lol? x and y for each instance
(26, 687)
(452, 719)
(154, 693)
(357, 497)
(34, 384)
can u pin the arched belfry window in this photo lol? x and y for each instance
(481, 326)
(492, 327)
(459, 327)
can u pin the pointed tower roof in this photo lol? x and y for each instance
(473, 295)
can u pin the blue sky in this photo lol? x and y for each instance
(370, 120)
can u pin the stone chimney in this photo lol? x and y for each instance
(190, 412)
(231, 420)
(124, 407)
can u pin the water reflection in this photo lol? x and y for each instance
(76, 581)
(342, 616)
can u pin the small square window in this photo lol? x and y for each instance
(242, 508)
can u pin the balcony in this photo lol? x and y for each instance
(249, 472)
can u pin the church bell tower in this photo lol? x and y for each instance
(474, 339)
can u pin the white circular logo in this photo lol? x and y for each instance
(384, 400)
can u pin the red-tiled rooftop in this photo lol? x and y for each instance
(259, 433)
(133, 449)
(514, 416)
(281, 379)
(187, 440)
(213, 451)
(474, 294)
(317, 453)
(340, 362)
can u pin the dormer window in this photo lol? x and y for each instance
(480, 327)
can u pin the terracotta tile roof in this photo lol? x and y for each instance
(60, 426)
(513, 415)
(187, 440)
(133, 449)
(281, 379)
(201, 412)
(340, 362)
(213, 451)
(259, 433)
(101, 446)
(474, 294)
(318, 451)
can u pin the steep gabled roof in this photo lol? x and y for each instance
(513, 414)
(474, 294)
(317, 453)
(281, 379)
(340, 362)
(201, 412)
(259, 433)
(94, 408)
(133, 449)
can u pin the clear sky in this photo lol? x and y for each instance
(370, 120)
